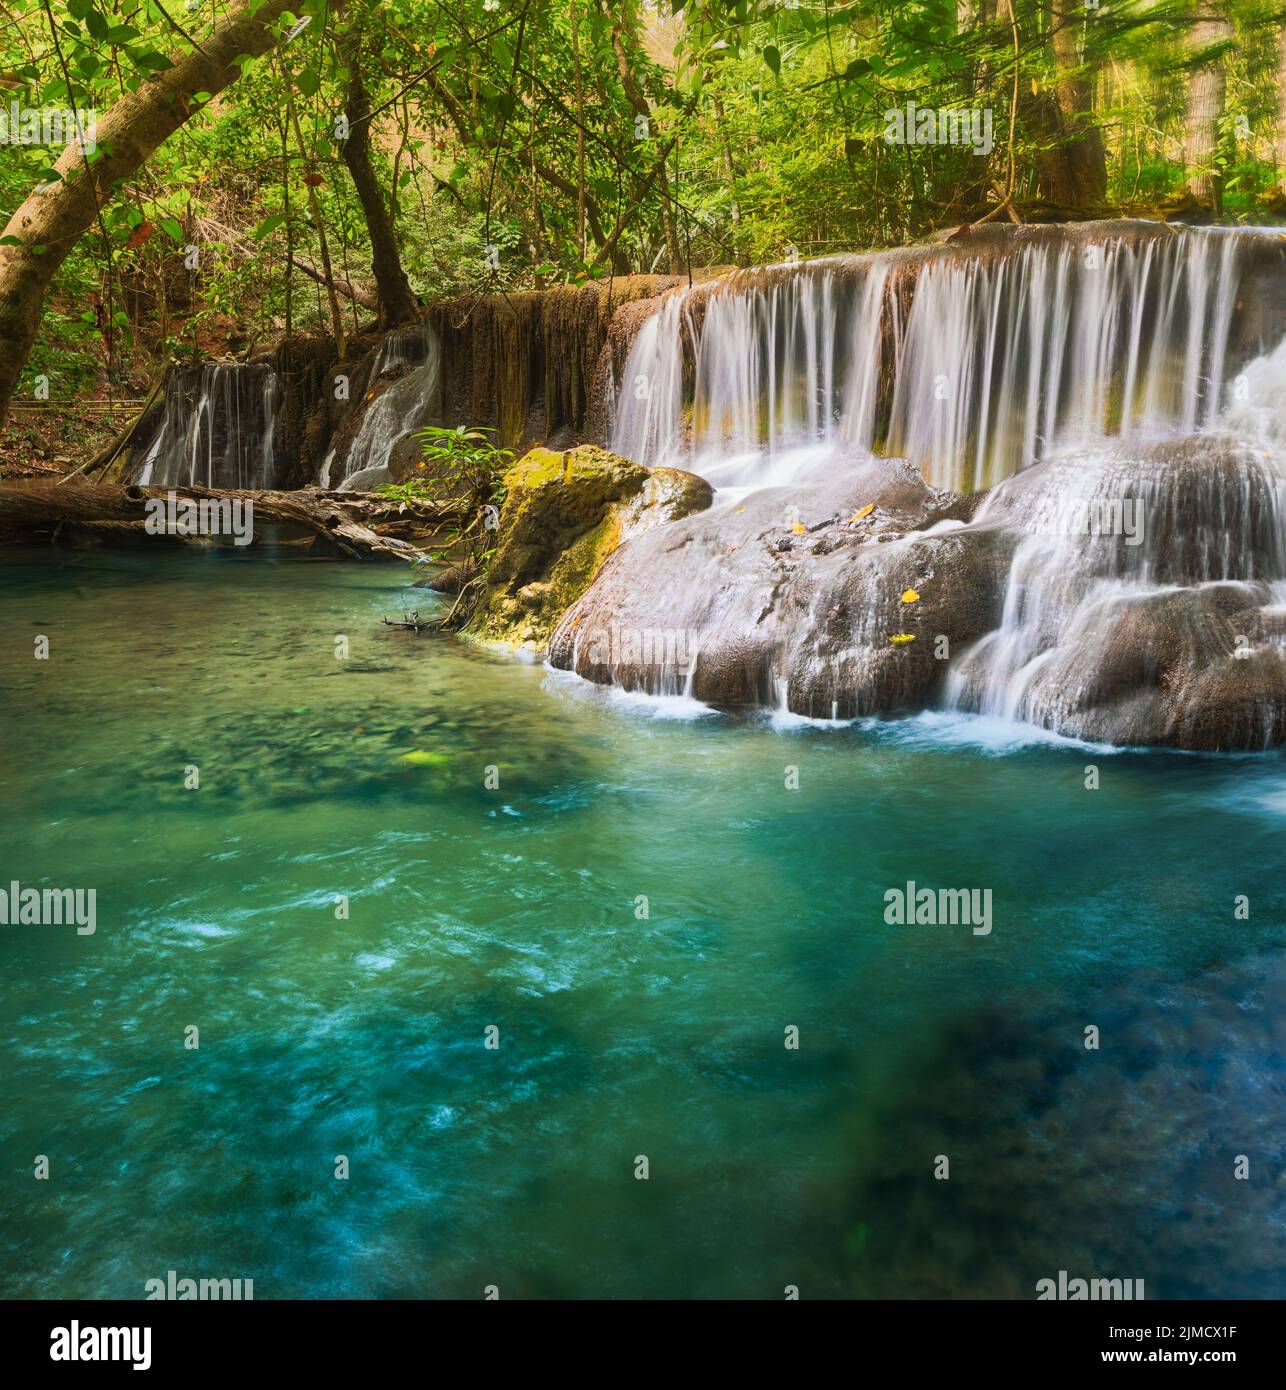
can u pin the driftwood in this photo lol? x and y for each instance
(412, 623)
(40, 511)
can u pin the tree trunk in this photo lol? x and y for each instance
(397, 303)
(1206, 86)
(309, 520)
(624, 22)
(126, 135)
(1281, 109)
(1073, 174)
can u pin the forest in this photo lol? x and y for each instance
(651, 637)
(258, 172)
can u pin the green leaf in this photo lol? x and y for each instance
(172, 229)
(269, 225)
(772, 57)
(308, 82)
(151, 62)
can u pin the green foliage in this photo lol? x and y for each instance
(463, 461)
(520, 145)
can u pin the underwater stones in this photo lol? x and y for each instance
(564, 513)
(1137, 1133)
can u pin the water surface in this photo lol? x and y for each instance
(517, 907)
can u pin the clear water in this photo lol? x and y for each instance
(620, 1037)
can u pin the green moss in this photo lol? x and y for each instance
(563, 516)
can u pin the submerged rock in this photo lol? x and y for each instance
(564, 514)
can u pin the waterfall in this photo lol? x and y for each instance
(1038, 475)
(1005, 354)
(408, 404)
(1122, 550)
(216, 428)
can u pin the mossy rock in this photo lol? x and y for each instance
(564, 514)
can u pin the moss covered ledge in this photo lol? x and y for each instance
(564, 514)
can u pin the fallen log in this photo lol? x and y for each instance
(79, 512)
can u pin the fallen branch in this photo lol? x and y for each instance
(412, 623)
(44, 511)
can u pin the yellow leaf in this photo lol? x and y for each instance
(1034, 87)
(866, 511)
(910, 596)
(902, 637)
(798, 528)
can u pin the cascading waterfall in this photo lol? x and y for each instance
(411, 402)
(1117, 392)
(1001, 358)
(216, 428)
(1109, 538)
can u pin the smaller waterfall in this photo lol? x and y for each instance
(408, 404)
(216, 428)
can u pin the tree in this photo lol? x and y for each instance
(1073, 173)
(1281, 109)
(1206, 89)
(43, 231)
(397, 303)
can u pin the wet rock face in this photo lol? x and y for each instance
(794, 596)
(1142, 597)
(564, 514)
(1130, 595)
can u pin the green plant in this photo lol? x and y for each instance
(408, 493)
(463, 462)
(464, 465)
